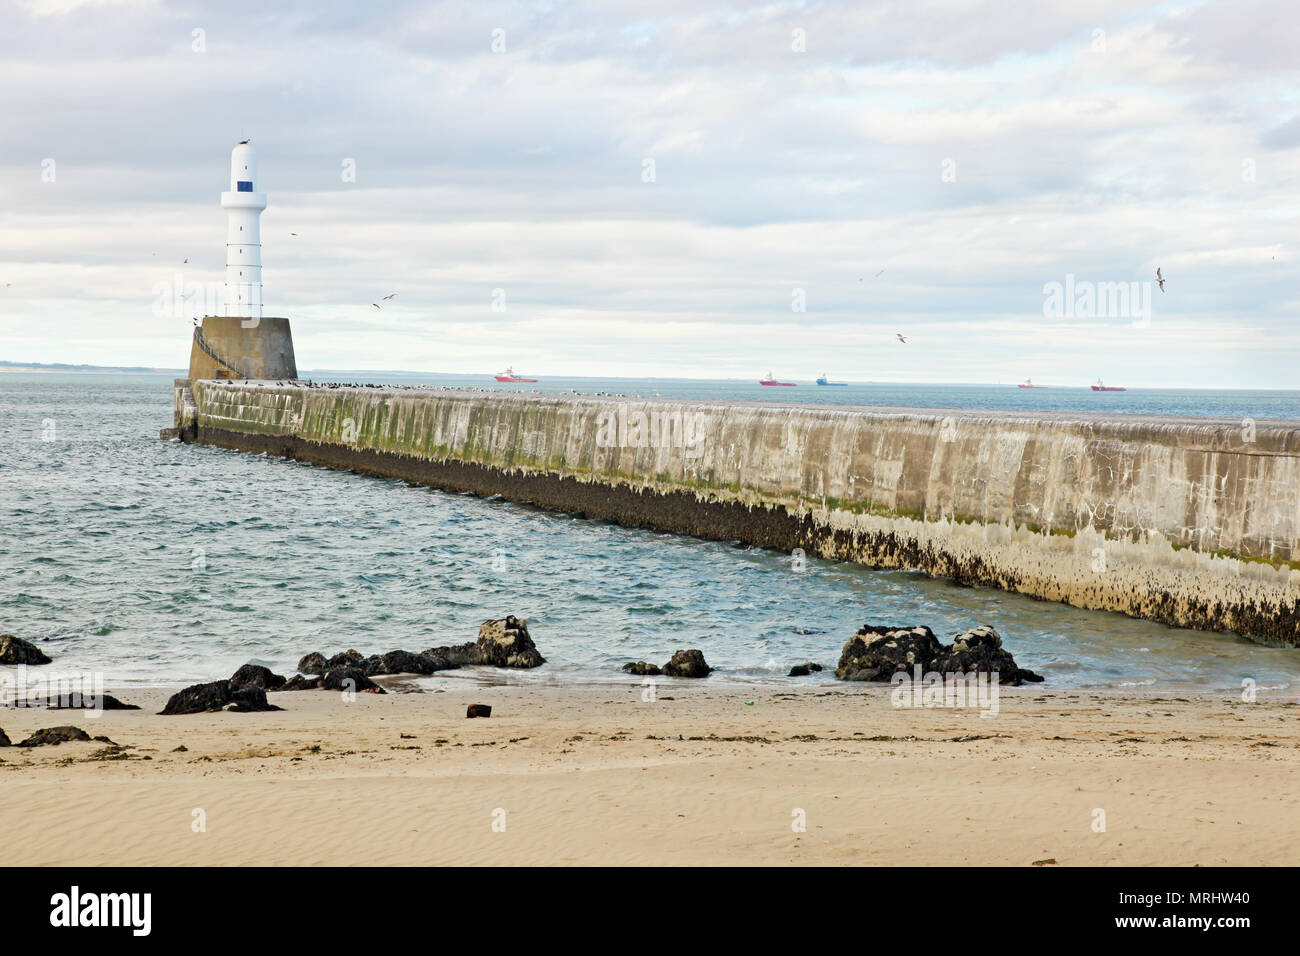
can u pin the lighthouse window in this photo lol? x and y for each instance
(243, 186)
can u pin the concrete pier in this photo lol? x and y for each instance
(1191, 522)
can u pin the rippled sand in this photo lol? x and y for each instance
(709, 773)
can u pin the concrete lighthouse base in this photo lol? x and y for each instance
(224, 348)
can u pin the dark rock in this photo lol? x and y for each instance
(218, 695)
(876, 653)
(254, 675)
(980, 649)
(54, 735)
(106, 702)
(348, 658)
(336, 678)
(438, 662)
(478, 710)
(246, 698)
(4, 739)
(404, 662)
(313, 663)
(299, 682)
(803, 670)
(688, 663)
(457, 655)
(14, 650)
(641, 668)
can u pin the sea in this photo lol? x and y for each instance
(157, 563)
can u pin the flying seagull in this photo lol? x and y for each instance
(1160, 279)
(293, 234)
(376, 305)
(186, 262)
(899, 336)
(387, 297)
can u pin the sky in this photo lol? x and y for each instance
(680, 189)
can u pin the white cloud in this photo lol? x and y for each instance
(775, 170)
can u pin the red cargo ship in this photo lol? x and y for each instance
(509, 376)
(771, 381)
(1108, 388)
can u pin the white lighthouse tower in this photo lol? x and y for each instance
(243, 205)
(241, 343)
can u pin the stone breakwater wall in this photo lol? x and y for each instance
(1191, 522)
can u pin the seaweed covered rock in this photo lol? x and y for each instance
(349, 678)
(501, 643)
(457, 655)
(506, 643)
(875, 653)
(14, 650)
(4, 739)
(980, 649)
(641, 668)
(54, 736)
(405, 662)
(394, 662)
(348, 658)
(688, 663)
(336, 678)
(313, 663)
(217, 695)
(255, 675)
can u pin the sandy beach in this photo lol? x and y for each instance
(709, 773)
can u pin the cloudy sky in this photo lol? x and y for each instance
(658, 188)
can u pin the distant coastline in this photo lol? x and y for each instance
(97, 369)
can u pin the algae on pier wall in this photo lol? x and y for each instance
(1178, 520)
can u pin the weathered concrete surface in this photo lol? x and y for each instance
(239, 349)
(1191, 522)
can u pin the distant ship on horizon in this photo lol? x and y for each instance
(772, 381)
(509, 376)
(1099, 387)
(1028, 383)
(825, 380)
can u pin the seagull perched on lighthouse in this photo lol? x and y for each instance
(1160, 279)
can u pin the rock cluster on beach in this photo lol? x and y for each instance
(687, 663)
(501, 643)
(876, 653)
(47, 736)
(218, 695)
(14, 650)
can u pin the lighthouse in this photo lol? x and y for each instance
(243, 206)
(241, 343)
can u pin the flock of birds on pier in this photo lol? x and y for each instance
(308, 383)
